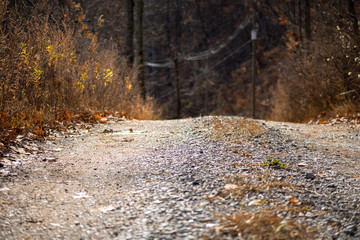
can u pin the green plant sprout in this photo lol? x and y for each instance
(273, 162)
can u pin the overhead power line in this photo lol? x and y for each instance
(208, 53)
(168, 63)
(230, 55)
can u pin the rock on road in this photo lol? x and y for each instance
(201, 178)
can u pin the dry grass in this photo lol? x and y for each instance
(263, 226)
(139, 109)
(51, 62)
(261, 220)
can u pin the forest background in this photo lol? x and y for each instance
(67, 60)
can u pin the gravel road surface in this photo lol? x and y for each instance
(200, 178)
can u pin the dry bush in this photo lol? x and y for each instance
(263, 225)
(325, 79)
(50, 62)
(139, 109)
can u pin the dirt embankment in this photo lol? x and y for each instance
(211, 177)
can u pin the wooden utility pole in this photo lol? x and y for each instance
(253, 67)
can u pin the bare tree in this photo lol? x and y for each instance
(353, 17)
(300, 20)
(307, 20)
(176, 56)
(139, 52)
(129, 46)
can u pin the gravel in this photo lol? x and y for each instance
(201, 178)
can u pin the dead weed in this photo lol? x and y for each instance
(262, 225)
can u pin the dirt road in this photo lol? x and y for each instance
(185, 179)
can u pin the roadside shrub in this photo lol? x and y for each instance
(51, 62)
(324, 78)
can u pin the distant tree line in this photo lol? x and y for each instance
(185, 60)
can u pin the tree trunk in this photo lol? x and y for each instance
(353, 17)
(207, 46)
(129, 35)
(176, 55)
(307, 20)
(168, 39)
(139, 52)
(300, 21)
(65, 3)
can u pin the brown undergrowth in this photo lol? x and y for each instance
(321, 78)
(52, 64)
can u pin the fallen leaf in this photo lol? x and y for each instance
(50, 159)
(98, 117)
(4, 173)
(81, 195)
(6, 161)
(3, 202)
(231, 187)
(18, 149)
(216, 126)
(256, 202)
(294, 201)
(107, 208)
(55, 224)
(211, 225)
(32, 220)
(302, 164)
